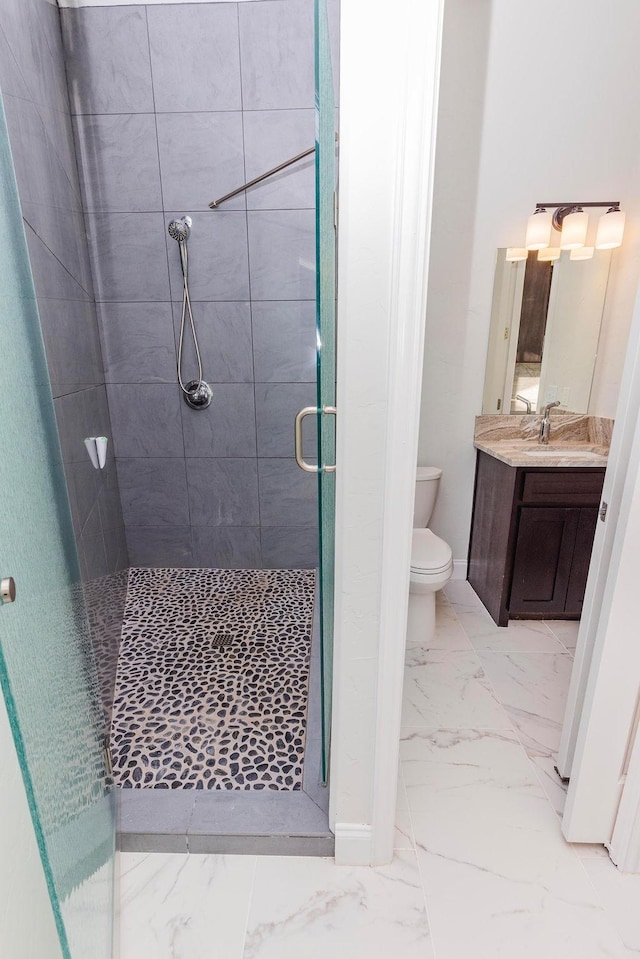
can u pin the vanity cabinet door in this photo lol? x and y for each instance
(581, 559)
(542, 569)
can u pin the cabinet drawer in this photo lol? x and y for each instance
(570, 489)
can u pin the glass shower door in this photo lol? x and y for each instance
(47, 673)
(326, 352)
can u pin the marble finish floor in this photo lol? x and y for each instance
(481, 868)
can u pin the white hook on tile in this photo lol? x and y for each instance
(101, 447)
(97, 450)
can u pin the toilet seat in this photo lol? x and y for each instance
(430, 555)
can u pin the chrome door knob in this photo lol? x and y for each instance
(7, 590)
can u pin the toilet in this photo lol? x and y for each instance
(431, 559)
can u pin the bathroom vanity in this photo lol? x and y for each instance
(534, 516)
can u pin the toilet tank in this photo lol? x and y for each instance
(427, 481)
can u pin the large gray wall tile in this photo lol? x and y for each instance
(154, 492)
(166, 135)
(270, 137)
(282, 255)
(63, 233)
(107, 53)
(284, 341)
(276, 408)
(118, 158)
(228, 547)
(289, 547)
(226, 428)
(146, 419)
(276, 51)
(218, 257)
(72, 343)
(224, 337)
(160, 546)
(138, 342)
(194, 55)
(201, 158)
(51, 278)
(223, 492)
(43, 152)
(129, 256)
(12, 80)
(288, 496)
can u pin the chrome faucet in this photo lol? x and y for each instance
(545, 425)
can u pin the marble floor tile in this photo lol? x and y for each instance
(461, 595)
(590, 850)
(449, 634)
(184, 907)
(553, 786)
(527, 635)
(449, 689)
(315, 909)
(491, 853)
(532, 687)
(620, 896)
(566, 631)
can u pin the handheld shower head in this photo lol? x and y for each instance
(180, 229)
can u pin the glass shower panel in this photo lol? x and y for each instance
(326, 351)
(47, 673)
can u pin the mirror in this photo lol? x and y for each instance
(545, 326)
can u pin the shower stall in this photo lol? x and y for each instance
(174, 606)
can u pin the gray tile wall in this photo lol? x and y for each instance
(33, 83)
(176, 105)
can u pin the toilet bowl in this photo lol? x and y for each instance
(431, 560)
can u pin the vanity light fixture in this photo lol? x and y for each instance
(574, 229)
(610, 229)
(516, 253)
(572, 221)
(582, 253)
(538, 229)
(550, 253)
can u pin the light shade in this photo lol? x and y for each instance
(582, 253)
(538, 230)
(515, 253)
(610, 230)
(550, 253)
(574, 231)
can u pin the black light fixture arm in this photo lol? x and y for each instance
(564, 209)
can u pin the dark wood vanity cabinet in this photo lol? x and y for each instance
(531, 538)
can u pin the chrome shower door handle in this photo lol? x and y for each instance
(7, 590)
(307, 411)
(332, 411)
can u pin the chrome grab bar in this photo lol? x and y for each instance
(263, 176)
(302, 463)
(307, 411)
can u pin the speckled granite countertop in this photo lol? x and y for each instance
(576, 440)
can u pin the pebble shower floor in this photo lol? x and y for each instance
(212, 682)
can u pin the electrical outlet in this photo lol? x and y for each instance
(564, 395)
(552, 393)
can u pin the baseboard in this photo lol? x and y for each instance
(459, 569)
(353, 844)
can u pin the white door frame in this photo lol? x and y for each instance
(603, 697)
(388, 106)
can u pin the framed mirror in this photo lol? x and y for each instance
(545, 328)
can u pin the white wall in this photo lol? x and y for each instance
(27, 927)
(386, 164)
(538, 102)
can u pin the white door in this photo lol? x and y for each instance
(600, 722)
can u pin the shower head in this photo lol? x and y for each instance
(180, 229)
